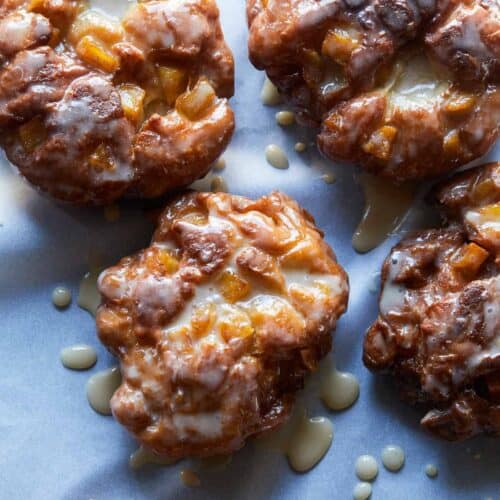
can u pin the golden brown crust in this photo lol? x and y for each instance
(465, 200)
(438, 332)
(149, 93)
(422, 77)
(415, 141)
(467, 40)
(219, 320)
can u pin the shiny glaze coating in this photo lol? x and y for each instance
(438, 332)
(93, 108)
(217, 323)
(368, 71)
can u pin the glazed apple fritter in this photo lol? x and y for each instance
(438, 332)
(93, 108)
(217, 323)
(407, 88)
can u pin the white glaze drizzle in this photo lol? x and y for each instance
(386, 206)
(416, 84)
(112, 7)
(89, 297)
(394, 295)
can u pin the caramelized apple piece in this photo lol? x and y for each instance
(232, 287)
(102, 159)
(339, 44)
(380, 142)
(196, 218)
(51, 9)
(168, 261)
(180, 335)
(158, 106)
(484, 190)
(470, 259)
(235, 324)
(94, 53)
(195, 103)
(98, 25)
(491, 211)
(460, 103)
(451, 143)
(173, 82)
(132, 100)
(32, 134)
(203, 319)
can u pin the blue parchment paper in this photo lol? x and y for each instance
(53, 446)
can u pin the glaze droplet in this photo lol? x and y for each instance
(217, 462)
(276, 157)
(431, 470)
(89, 297)
(285, 118)
(362, 491)
(143, 456)
(79, 357)
(329, 178)
(270, 95)
(61, 297)
(339, 390)
(393, 457)
(220, 164)
(366, 468)
(386, 206)
(309, 443)
(218, 185)
(190, 478)
(100, 389)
